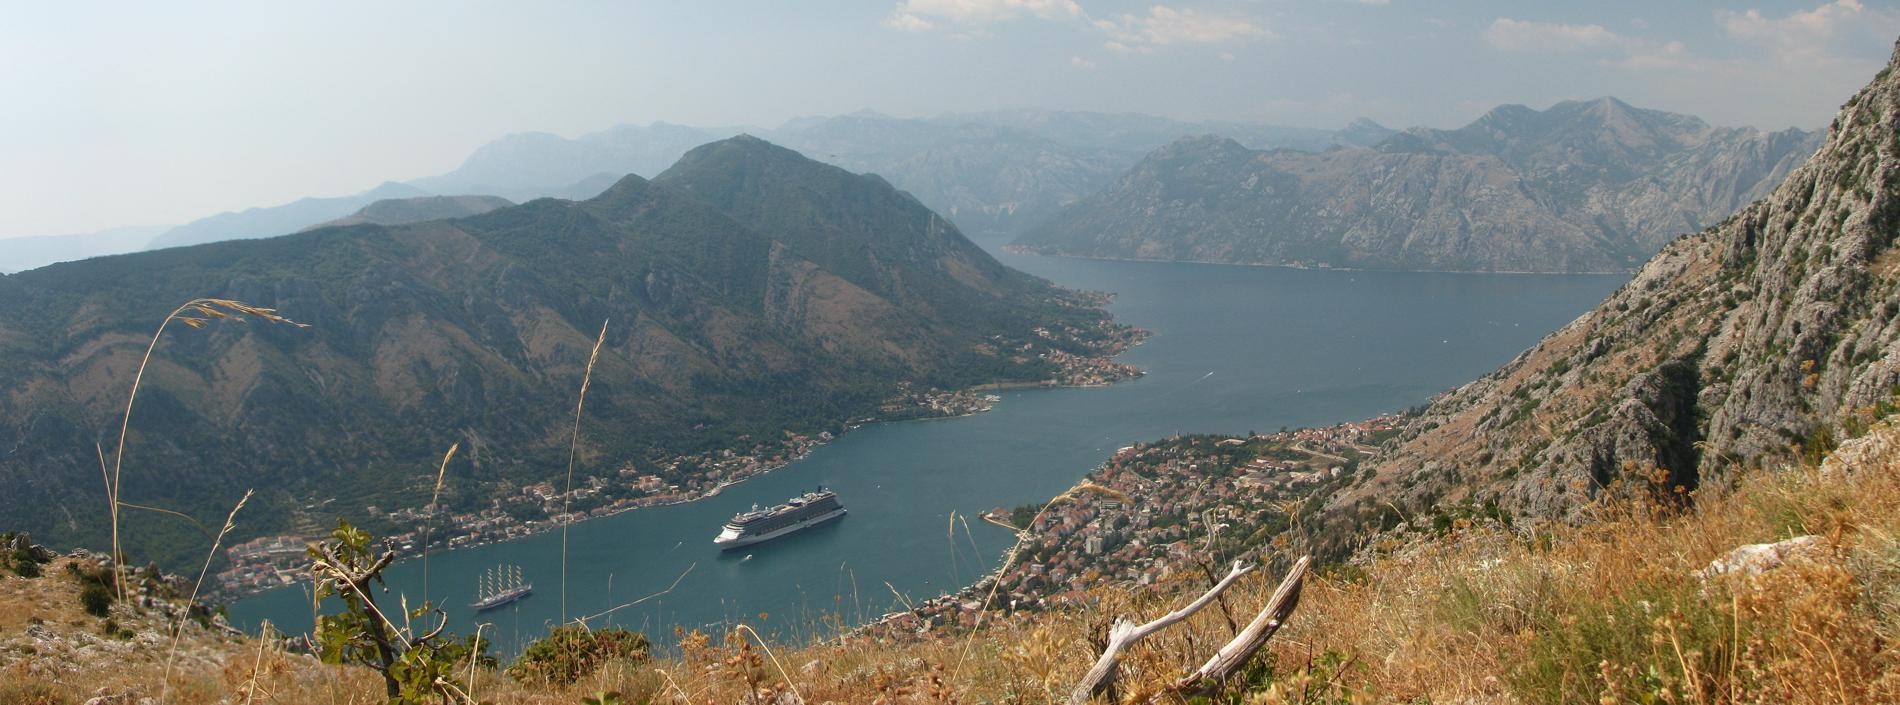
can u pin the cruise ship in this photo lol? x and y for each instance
(804, 511)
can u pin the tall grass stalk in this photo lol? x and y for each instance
(1009, 559)
(178, 630)
(257, 666)
(472, 660)
(428, 530)
(195, 313)
(573, 449)
(775, 663)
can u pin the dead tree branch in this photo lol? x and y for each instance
(1125, 633)
(1236, 653)
(1224, 663)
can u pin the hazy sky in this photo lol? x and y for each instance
(139, 113)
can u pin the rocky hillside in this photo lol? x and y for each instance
(1581, 187)
(750, 292)
(1761, 337)
(403, 211)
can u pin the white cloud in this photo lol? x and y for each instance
(1622, 51)
(917, 15)
(1807, 36)
(1081, 63)
(1165, 25)
(1662, 56)
(908, 22)
(1523, 35)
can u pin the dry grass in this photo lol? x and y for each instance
(1613, 611)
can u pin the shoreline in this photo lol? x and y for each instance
(225, 597)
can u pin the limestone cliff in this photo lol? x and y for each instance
(1734, 346)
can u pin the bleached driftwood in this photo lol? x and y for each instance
(1225, 662)
(1241, 649)
(1125, 633)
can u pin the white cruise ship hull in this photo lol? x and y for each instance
(728, 544)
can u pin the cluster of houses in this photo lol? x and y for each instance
(1150, 514)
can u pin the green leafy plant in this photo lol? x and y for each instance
(415, 668)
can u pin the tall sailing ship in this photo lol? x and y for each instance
(801, 512)
(498, 586)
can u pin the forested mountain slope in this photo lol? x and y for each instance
(749, 293)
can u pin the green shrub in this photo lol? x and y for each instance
(572, 652)
(96, 598)
(23, 564)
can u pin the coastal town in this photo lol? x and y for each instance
(1151, 513)
(517, 511)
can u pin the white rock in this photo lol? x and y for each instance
(1758, 558)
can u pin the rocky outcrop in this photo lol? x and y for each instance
(1745, 344)
(1582, 186)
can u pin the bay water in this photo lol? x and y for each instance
(1235, 349)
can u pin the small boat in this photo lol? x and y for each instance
(499, 586)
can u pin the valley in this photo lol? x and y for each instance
(1233, 350)
(940, 353)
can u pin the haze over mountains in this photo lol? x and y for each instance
(1584, 186)
(22, 253)
(748, 290)
(992, 173)
(403, 211)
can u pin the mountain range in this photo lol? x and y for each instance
(993, 173)
(746, 291)
(1768, 336)
(1580, 187)
(1584, 186)
(23, 253)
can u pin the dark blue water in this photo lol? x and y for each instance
(1235, 349)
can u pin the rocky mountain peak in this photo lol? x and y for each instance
(1770, 334)
(1581, 187)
